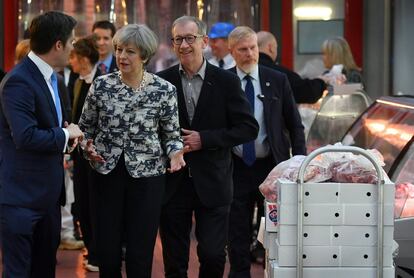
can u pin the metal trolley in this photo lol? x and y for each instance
(380, 205)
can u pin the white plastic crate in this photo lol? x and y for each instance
(335, 214)
(334, 193)
(334, 235)
(275, 271)
(330, 256)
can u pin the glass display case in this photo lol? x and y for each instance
(388, 126)
(336, 114)
(403, 176)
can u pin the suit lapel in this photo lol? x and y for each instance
(204, 93)
(265, 84)
(182, 108)
(267, 95)
(37, 75)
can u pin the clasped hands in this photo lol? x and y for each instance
(76, 137)
(192, 142)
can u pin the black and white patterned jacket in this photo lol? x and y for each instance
(142, 124)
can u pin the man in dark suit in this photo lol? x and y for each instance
(32, 144)
(304, 90)
(105, 31)
(280, 132)
(214, 117)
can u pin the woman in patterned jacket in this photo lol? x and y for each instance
(131, 116)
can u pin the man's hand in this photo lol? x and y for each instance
(177, 161)
(74, 131)
(91, 153)
(191, 139)
(73, 142)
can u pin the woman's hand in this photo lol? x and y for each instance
(177, 161)
(90, 151)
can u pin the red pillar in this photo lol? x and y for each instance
(10, 32)
(287, 34)
(264, 15)
(353, 29)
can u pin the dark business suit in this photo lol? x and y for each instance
(112, 67)
(304, 90)
(284, 130)
(205, 186)
(31, 173)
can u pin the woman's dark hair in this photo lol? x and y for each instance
(49, 28)
(86, 47)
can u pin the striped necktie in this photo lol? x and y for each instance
(102, 68)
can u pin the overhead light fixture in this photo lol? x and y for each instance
(313, 13)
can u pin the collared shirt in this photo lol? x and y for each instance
(261, 145)
(107, 62)
(228, 61)
(89, 77)
(192, 88)
(46, 70)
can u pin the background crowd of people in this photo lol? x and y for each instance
(149, 150)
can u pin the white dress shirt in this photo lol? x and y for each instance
(46, 70)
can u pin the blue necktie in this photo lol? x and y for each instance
(221, 63)
(53, 80)
(249, 153)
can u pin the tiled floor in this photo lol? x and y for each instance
(70, 265)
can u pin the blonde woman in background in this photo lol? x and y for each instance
(336, 51)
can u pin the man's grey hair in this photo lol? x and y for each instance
(201, 26)
(140, 36)
(239, 33)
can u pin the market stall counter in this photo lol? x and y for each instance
(388, 126)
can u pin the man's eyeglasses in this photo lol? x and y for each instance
(190, 39)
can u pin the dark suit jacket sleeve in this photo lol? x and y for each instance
(306, 90)
(242, 126)
(18, 103)
(293, 120)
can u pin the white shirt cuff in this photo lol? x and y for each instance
(66, 138)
